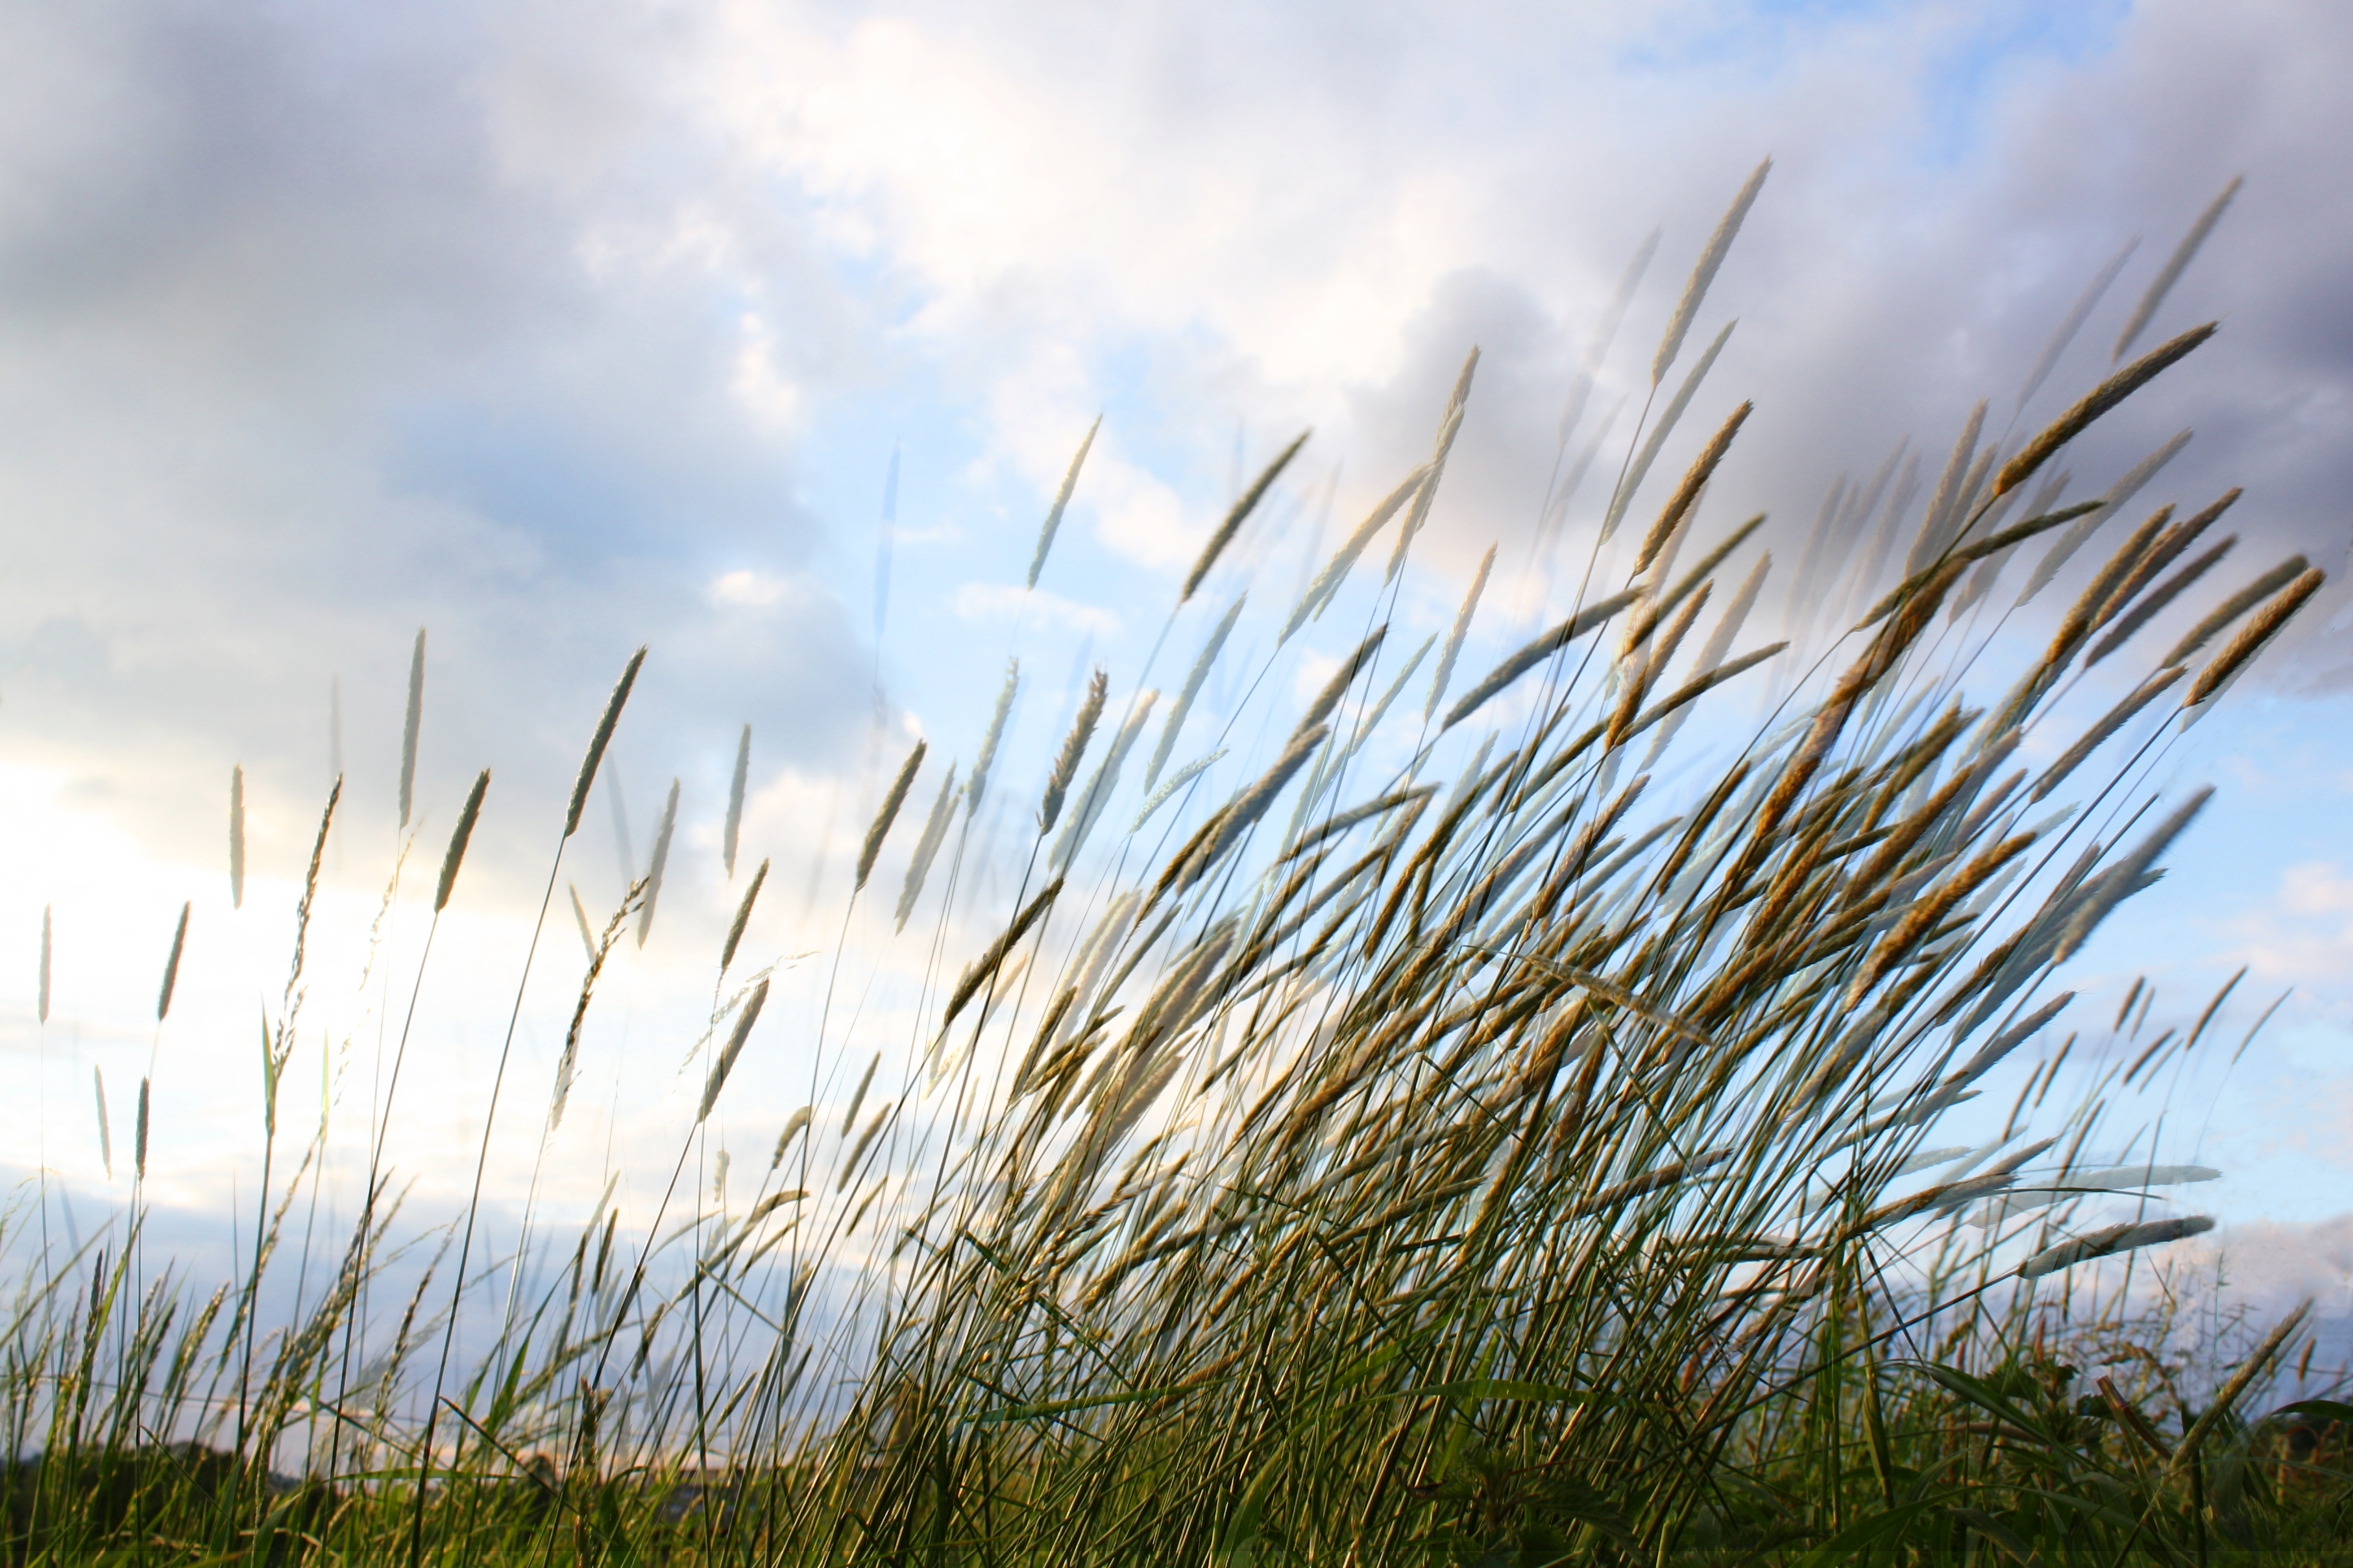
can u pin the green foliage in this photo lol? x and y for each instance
(1507, 1168)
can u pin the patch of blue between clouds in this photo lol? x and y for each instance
(1960, 76)
(1961, 86)
(962, 519)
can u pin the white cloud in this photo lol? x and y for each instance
(2316, 888)
(551, 329)
(2304, 932)
(1309, 221)
(747, 589)
(990, 601)
(775, 402)
(2279, 1265)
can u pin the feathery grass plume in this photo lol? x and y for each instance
(1247, 807)
(1342, 679)
(891, 802)
(410, 725)
(2167, 549)
(625, 855)
(172, 964)
(139, 1136)
(1535, 653)
(1646, 661)
(1061, 500)
(1704, 273)
(2126, 877)
(2227, 1394)
(1993, 544)
(293, 994)
(735, 785)
(978, 971)
(1834, 511)
(237, 836)
(1679, 505)
(2175, 265)
(1341, 822)
(598, 741)
(1605, 330)
(857, 1150)
(2090, 740)
(734, 1047)
(2122, 491)
(934, 834)
(1653, 580)
(2094, 403)
(858, 1097)
(2126, 1177)
(1976, 506)
(1924, 915)
(2076, 625)
(1990, 1055)
(2212, 1007)
(1449, 425)
(1981, 581)
(1928, 1158)
(1454, 639)
(2237, 604)
(1074, 748)
(1698, 579)
(45, 963)
(794, 1125)
(458, 840)
(2158, 598)
(1640, 468)
(1094, 955)
(1345, 1092)
(105, 1136)
(580, 914)
(660, 862)
(1176, 781)
(1234, 519)
(1837, 527)
(1863, 562)
(1327, 582)
(1719, 643)
(1093, 800)
(744, 917)
(2251, 639)
(1048, 1030)
(1193, 678)
(1329, 769)
(2073, 323)
(1699, 686)
(1826, 724)
(1951, 494)
(2109, 1240)
(1565, 489)
(977, 784)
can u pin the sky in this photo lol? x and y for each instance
(761, 335)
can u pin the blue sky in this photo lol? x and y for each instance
(557, 329)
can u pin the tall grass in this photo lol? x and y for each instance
(1511, 1151)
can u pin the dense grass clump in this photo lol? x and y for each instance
(1464, 1138)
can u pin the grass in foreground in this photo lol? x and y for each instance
(1499, 1157)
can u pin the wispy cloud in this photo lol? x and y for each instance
(998, 602)
(747, 589)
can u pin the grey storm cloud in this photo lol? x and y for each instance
(1948, 181)
(318, 323)
(1881, 291)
